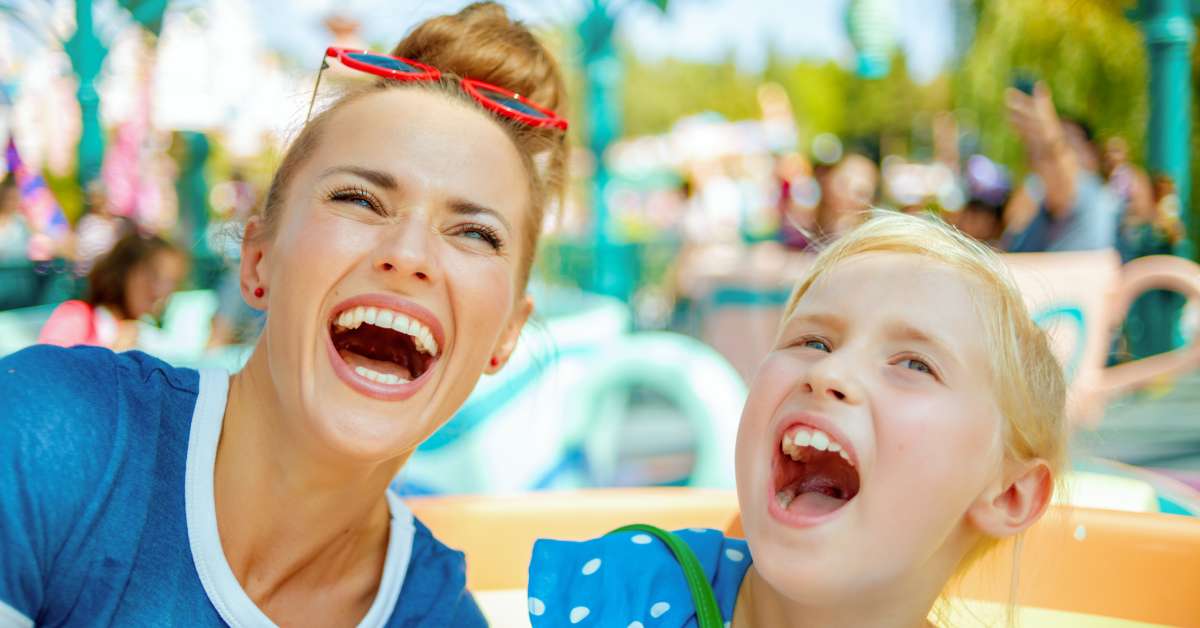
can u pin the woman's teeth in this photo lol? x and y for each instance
(382, 378)
(390, 319)
(795, 440)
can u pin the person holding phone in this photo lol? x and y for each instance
(1063, 205)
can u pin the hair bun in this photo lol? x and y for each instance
(482, 42)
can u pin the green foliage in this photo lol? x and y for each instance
(824, 96)
(1088, 53)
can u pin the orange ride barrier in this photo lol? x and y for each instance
(1134, 566)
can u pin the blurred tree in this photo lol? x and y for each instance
(1088, 52)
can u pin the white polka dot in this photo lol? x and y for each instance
(591, 566)
(734, 555)
(641, 539)
(536, 607)
(578, 613)
(726, 624)
(635, 624)
(658, 609)
(1080, 533)
(698, 530)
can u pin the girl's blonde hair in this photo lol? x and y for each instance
(1026, 377)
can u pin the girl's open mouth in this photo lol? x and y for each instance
(383, 351)
(813, 477)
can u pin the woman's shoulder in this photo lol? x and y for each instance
(83, 377)
(627, 577)
(435, 586)
(72, 409)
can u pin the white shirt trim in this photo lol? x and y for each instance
(222, 587)
(13, 618)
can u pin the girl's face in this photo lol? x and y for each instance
(392, 280)
(869, 432)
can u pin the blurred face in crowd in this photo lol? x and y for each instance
(151, 283)
(850, 191)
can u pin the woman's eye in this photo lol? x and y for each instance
(916, 365)
(482, 233)
(361, 199)
(816, 343)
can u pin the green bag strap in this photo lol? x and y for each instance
(708, 614)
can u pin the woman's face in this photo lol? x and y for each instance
(151, 283)
(869, 431)
(392, 280)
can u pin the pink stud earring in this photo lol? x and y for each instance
(258, 292)
(495, 362)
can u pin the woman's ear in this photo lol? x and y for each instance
(253, 267)
(508, 338)
(1017, 502)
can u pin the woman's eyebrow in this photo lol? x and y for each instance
(376, 177)
(468, 208)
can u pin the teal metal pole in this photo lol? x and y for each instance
(612, 268)
(1170, 34)
(87, 57)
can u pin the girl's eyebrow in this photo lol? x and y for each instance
(904, 331)
(820, 319)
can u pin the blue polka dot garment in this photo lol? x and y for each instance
(630, 580)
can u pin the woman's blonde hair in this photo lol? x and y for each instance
(1026, 377)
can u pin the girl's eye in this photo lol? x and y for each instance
(483, 233)
(816, 343)
(916, 365)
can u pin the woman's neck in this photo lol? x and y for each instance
(760, 604)
(293, 516)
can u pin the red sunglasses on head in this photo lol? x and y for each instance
(504, 102)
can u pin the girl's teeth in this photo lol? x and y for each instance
(793, 443)
(370, 315)
(785, 497)
(384, 319)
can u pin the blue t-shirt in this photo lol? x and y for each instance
(1091, 224)
(106, 504)
(630, 579)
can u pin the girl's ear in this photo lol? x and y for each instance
(1017, 503)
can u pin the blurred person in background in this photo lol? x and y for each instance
(14, 229)
(846, 194)
(988, 187)
(1063, 204)
(131, 282)
(98, 230)
(840, 194)
(1150, 224)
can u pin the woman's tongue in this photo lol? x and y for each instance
(387, 367)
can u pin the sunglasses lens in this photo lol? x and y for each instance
(508, 101)
(387, 63)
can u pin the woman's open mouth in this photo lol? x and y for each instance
(813, 476)
(384, 351)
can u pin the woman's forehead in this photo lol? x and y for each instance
(439, 142)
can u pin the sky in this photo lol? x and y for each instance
(701, 30)
(690, 29)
